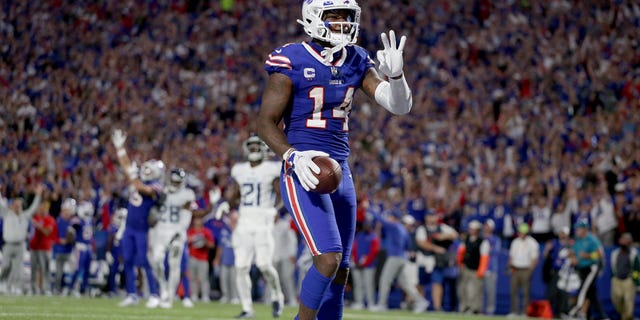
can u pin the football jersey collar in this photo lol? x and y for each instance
(314, 49)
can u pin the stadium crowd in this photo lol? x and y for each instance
(526, 105)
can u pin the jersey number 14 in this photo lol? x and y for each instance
(340, 112)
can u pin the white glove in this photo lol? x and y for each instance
(132, 171)
(109, 258)
(301, 163)
(118, 139)
(222, 209)
(390, 58)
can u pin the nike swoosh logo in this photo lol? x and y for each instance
(278, 50)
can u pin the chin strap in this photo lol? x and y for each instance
(328, 53)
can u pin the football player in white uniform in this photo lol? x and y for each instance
(169, 235)
(258, 190)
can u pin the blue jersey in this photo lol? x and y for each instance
(139, 207)
(84, 230)
(318, 117)
(227, 258)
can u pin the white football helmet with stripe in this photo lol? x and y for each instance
(85, 210)
(313, 14)
(152, 170)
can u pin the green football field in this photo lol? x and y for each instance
(36, 308)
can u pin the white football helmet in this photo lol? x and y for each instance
(152, 170)
(85, 210)
(69, 204)
(255, 153)
(177, 179)
(313, 12)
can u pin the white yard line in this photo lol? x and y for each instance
(388, 315)
(13, 315)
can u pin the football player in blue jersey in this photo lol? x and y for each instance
(310, 88)
(83, 224)
(145, 192)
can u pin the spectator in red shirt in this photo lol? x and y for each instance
(200, 240)
(40, 246)
(364, 253)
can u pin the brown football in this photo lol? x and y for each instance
(330, 175)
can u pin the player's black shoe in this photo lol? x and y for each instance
(245, 315)
(277, 309)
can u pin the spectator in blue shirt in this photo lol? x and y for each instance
(491, 274)
(398, 242)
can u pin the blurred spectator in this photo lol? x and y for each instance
(434, 240)
(15, 231)
(491, 275)
(366, 247)
(473, 259)
(284, 258)
(589, 256)
(224, 262)
(603, 216)
(557, 252)
(40, 247)
(541, 218)
(200, 240)
(523, 258)
(397, 242)
(625, 265)
(501, 215)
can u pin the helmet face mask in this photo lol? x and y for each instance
(177, 179)
(85, 210)
(255, 149)
(315, 22)
(152, 170)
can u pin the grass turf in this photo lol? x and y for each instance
(37, 308)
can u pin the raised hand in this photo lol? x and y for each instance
(118, 138)
(390, 58)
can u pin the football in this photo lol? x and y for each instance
(330, 175)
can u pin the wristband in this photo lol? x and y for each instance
(287, 154)
(397, 77)
(121, 152)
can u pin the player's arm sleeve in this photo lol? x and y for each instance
(395, 95)
(279, 61)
